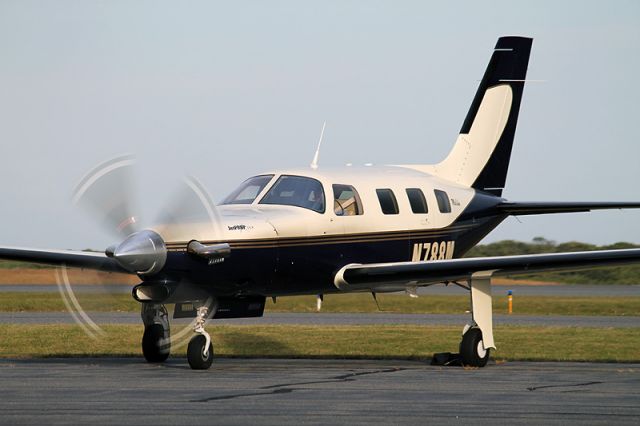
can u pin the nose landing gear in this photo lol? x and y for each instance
(200, 350)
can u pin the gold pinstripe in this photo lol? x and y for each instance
(326, 239)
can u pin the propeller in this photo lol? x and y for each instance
(106, 193)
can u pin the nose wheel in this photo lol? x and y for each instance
(200, 349)
(199, 355)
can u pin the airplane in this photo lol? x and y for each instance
(316, 231)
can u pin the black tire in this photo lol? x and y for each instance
(154, 348)
(472, 350)
(195, 353)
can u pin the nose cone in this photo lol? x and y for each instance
(143, 252)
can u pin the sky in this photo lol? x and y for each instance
(226, 90)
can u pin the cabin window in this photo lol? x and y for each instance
(296, 191)
(443, 201)
(346, 201)
(388, 202)
(248, 190)
(417, 200)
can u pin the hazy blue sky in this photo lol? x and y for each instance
(224, 90)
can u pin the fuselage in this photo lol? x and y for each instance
(290, 231)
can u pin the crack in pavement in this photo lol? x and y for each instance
(242, 395)
(564, 386)
(286, 387)
(342, 378)
(364, 373)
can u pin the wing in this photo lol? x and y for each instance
(530, 208)
(387, 276)
(79, 259)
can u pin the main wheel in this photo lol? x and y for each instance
(195, 353)
(472, 350)
(154, 346)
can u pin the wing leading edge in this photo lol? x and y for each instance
(78, 259)
(383, 275)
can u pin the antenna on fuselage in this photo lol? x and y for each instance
(314, 162)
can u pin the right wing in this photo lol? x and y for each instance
(78, 259)
(389, 276)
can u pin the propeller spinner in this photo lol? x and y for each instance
(142, 252)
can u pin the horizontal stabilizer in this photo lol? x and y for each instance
(531, 208)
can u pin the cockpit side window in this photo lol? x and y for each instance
(296, 191)
(248, 190)
(346, 201)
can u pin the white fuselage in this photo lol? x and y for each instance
(258, 220)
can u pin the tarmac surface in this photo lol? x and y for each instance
(379, 318)
(292, 391)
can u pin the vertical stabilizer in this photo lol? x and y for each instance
(480, 156)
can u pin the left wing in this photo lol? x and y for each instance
(78, 259)
(385, 276)
(537, 207)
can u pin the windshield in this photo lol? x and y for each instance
(248, 190)
(296, 191)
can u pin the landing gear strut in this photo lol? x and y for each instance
(156, 342)
(200, 350)
(477, 338)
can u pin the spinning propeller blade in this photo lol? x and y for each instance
(107, 194)
(191, 214)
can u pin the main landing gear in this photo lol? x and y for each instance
(477, 338)
(156, 341)
(472, 350)
(200, 350)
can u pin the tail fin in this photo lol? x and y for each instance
(480, 156)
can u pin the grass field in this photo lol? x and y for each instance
(376, 342)
(438, 304)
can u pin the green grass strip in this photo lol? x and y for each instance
(373, 342)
